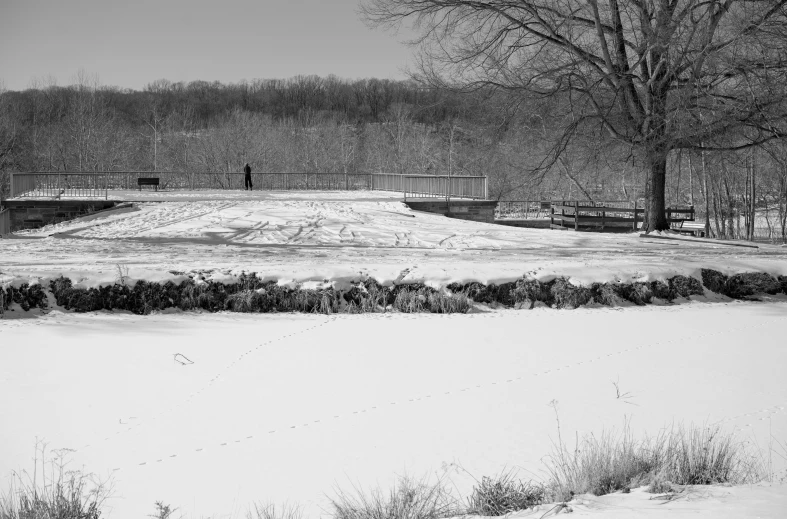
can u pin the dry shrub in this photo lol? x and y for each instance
(607, 294)
(714, 281)
(638, 293)
(271, 511)
(52, 492)
(783, 283)
(685, 286)
(502, 495)
(741, 286)
(570, 296)
(440, 303)
(408, 499)
(679, 455)
(751, 283)
(410, 300)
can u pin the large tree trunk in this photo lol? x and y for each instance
(655, 210)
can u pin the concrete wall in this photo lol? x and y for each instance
(530, 224)
(5, 221)
(476, 210)
(32, 214)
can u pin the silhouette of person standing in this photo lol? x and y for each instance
(247, 178)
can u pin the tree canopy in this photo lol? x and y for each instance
(653, 75)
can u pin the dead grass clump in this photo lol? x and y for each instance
(456, 303)
(504, 293)
(503, 495)
(379, 297)
(246, 301)
(597, 465)
(271, 511)
(638, 293)
(783, 282)
(705, 456)
(408, 499)
(570, 296)
(606, 294)
(529, 291)
(661, 290)
(53, 492)
(679, 455)
(411, 300)
(163, 511)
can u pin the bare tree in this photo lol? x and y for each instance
(656, 75)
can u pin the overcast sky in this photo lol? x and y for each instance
(133, 42)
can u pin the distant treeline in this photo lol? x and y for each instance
(205, 103)
(315, 124)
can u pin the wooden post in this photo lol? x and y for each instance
(562, 213)
(603, 214)
(551, 216)
(576, 216)
(635, 215)
(346, 183)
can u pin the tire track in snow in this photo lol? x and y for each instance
(474, 387)
(186, 218)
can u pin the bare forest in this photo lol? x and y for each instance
(314, 124)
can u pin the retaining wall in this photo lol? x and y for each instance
(475, 210)
(32, 214)
(530, 224)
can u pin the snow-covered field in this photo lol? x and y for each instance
(287, 407)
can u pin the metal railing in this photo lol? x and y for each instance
(421, 186)
(96, 184)
(22, 183)
(195, 181)
(5, 222)
(59, 185)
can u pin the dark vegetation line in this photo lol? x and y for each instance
(252, 295)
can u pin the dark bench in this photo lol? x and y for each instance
(147, 181)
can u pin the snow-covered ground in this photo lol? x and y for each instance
(288, 407)
(334, 235)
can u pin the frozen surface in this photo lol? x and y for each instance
(288, 406)
(339, 235)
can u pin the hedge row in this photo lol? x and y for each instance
(250, 294)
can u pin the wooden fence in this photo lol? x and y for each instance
(607, 216)
(5, 222)
(522, 210)
(97, 184)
